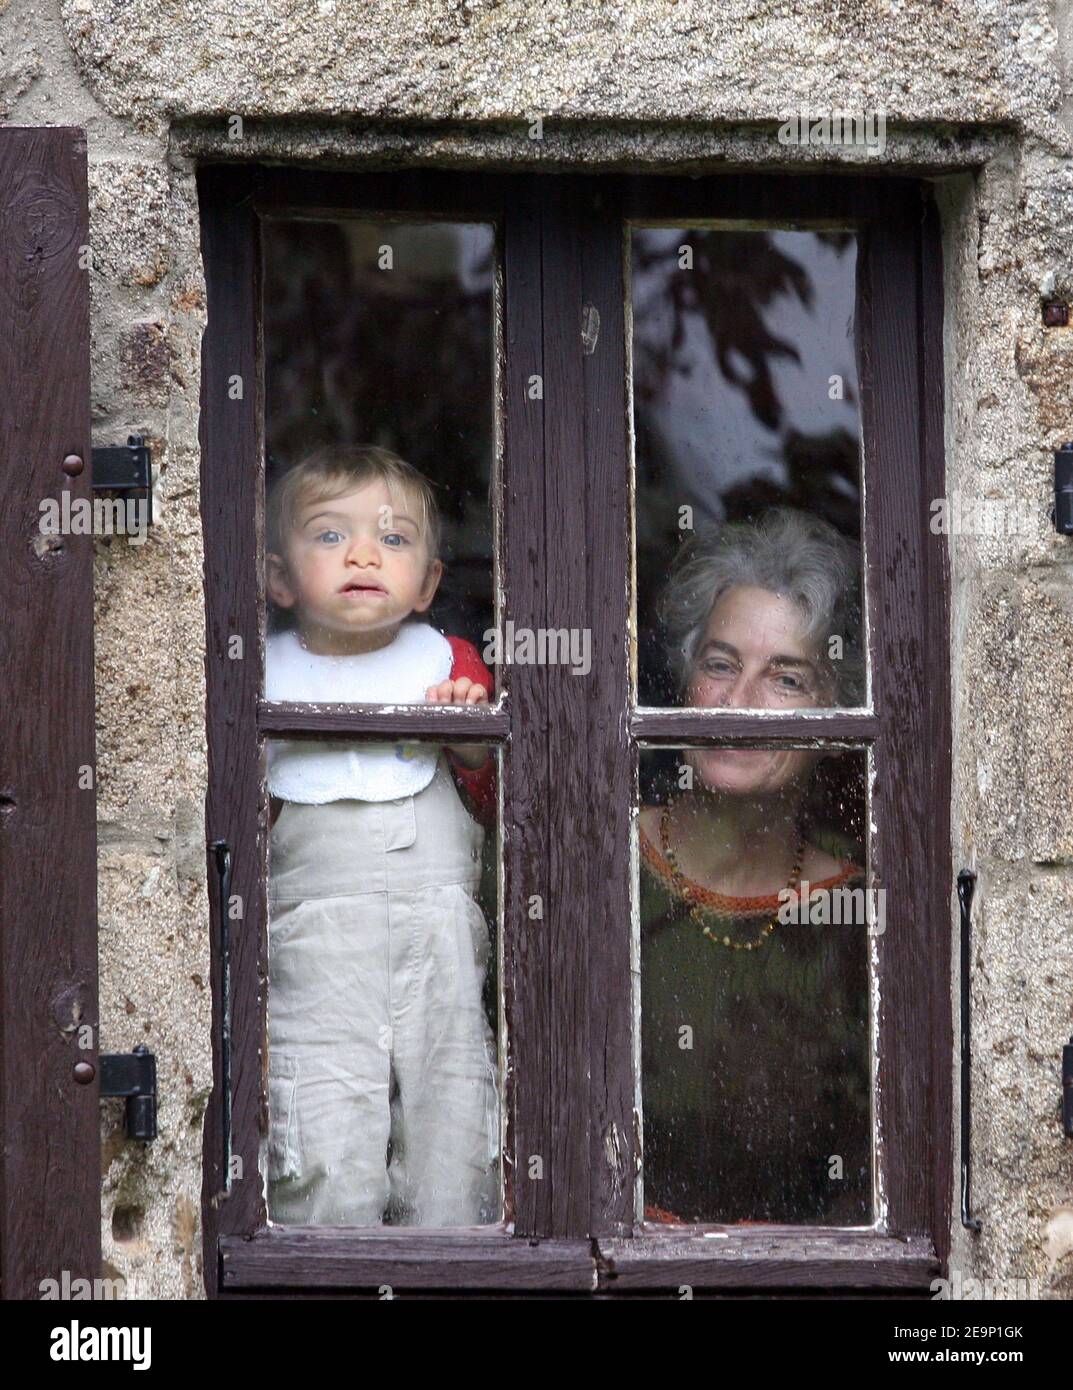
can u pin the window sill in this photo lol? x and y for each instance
(770, 1258)
(294, 1257)
(775, 1258)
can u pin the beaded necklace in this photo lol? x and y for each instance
(698, 911)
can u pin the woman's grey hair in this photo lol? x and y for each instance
(787, 552)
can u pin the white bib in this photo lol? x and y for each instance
(400, 673)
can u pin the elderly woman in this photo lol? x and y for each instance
(755, 1056)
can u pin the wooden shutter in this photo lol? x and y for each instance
(50, 1157)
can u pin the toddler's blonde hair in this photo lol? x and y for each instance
(336, 469)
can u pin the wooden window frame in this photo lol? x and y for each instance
(569, 774)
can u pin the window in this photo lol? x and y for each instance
(597, 373)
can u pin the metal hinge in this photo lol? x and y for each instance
(132, 1075)
(125, 470)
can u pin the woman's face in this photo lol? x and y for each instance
(754, 655)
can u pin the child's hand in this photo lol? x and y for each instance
(460, 692)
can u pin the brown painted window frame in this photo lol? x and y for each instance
(570, 744)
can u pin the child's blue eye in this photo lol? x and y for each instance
(396, 536)
(329, 537)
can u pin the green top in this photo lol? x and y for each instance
(743, 1125)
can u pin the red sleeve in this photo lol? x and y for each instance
(479, 783)
(467, 662)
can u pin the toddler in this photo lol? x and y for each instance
(383, 1094)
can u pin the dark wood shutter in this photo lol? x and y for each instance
(50, 1158)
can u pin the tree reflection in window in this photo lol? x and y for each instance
(745, 391)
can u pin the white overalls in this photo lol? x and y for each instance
(383, 1095)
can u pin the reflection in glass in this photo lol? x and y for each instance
(382, 1015)
(379, 431)
(755, 914)
(745, 406)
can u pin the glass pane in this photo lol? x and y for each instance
(383, 1016)
(747, 454)
(379, 352)
(755, 913)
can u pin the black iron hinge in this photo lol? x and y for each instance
(125, 470)
(132, 1075)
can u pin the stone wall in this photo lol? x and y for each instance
(977, 95)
